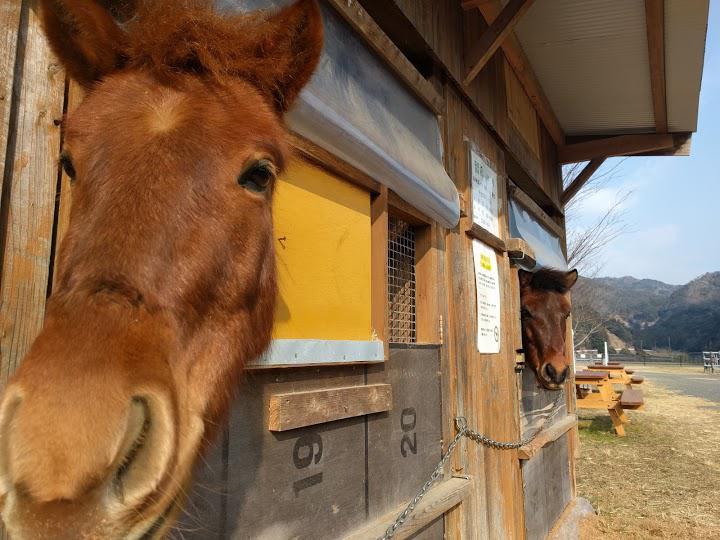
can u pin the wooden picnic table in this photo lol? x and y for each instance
(619, 373)
(605, 397)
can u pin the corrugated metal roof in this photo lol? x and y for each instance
(591, 59)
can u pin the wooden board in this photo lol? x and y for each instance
(536, 403)
(441, 498)
(9, 25)
(520, 110)
(404, 445)
(29, 186)
(307, 482)
(547, 436)
(548, 489)
(301, 409)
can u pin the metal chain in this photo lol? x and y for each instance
(464, 431)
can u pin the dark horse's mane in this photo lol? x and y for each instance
(551, 279)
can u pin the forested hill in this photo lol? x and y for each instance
(629, 311)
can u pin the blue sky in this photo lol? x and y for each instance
(673, 212)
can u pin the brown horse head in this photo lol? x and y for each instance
(545, 303)
(166, 280)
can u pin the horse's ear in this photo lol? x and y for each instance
(525, 278)
(85, 37)
(292, 46)
(570, 278)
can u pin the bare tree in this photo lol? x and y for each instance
(587, 245)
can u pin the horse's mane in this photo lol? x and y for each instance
(551, 279)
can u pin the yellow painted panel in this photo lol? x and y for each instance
(322, 232)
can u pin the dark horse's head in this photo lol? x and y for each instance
(545, 302)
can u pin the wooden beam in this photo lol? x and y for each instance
(683, 145)
(322, 158)
(525, 74)
(378, 267)
(546, 436)
(621, 145)
(493, 37)
(358, 18)
(300, 409)
(581, 179)
(520, 253)
(439, 499)
(473, 230)
(655, 22)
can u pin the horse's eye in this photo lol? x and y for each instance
(258, 176)
(67, 165)
(525, 314)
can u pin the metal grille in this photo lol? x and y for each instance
(401, 281)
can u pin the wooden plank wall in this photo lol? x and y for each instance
(31, 114)
(434, 19)
(325, 480)
(487, 388)
(493, 111)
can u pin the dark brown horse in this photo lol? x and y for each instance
(545, 307)
(166, 282)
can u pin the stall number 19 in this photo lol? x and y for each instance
(308, 449)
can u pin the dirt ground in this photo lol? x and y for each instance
(663, 479)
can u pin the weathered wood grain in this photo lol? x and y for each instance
(307, 483)
(29, 186)
(404, 445)
(546, 481)
(9, 32)
(489, 42)
(301, 409)
(439, 499)
(655, 23)
(546, 436)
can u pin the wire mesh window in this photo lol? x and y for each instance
(401, 281)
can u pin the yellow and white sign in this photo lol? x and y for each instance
(487, 290)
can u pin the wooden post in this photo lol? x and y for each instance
(378, 263)
(581, 179)
(494, 36)
(655, 22)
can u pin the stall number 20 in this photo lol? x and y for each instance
(308, 450)
(408, 443)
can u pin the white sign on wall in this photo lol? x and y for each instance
(484, 189)
(487, 290)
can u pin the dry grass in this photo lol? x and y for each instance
(663, 479)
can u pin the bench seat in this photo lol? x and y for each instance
(631, 399)
(591, 375)
(637, 379)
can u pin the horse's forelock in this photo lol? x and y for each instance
(551, 279)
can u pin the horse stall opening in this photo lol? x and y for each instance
(425, 179)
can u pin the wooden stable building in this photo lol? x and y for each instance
(430, 145)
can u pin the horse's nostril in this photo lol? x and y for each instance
(564, 374)
(146, 450)
(550, 372)
(553, 375)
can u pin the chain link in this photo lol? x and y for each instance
(464, 431)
